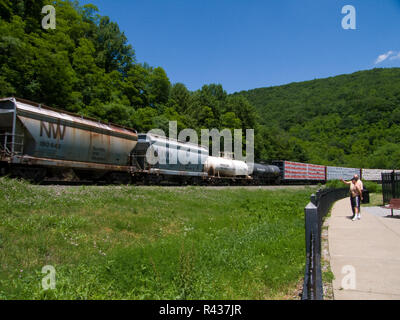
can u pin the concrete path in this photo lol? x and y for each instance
(364, 254)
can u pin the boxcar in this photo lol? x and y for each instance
(373, 174)
(337, 173)
(293, 172)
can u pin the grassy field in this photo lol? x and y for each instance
(376, 200)
(150, 242)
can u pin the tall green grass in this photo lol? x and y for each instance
(150, 242)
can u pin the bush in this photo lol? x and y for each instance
(372, 187)
(334, 184)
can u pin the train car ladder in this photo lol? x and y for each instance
(11, 144)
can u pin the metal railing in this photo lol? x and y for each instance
(390, 186)
(11, 144)
(315, 211)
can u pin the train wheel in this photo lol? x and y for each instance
(154, 180)
(34, 175)
(118, 178)
(146, 181)
(125, 179)
(4, 170)
(140, 179)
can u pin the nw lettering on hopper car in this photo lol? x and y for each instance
(52, 131)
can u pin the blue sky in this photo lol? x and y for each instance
(246, 44)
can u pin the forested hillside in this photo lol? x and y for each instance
(349, 120)
(86, 65)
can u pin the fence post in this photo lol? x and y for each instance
(313, 199)
(314, 287)
(393, 185)
(310, 289)
(311, 221)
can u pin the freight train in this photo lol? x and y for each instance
(38, 142)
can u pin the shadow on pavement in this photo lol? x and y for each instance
(392, 217)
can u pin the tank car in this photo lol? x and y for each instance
(223, 167)
(266, 174)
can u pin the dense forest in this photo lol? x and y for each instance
(347, 120)
(86, 65)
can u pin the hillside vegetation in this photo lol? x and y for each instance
(86, 65)
(347, 120)
(151, 242)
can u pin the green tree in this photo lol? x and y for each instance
(180, 98)
(5, 9)
(114, 52)
(158, 87)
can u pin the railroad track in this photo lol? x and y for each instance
(50, 184)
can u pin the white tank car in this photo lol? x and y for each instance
(222, 167)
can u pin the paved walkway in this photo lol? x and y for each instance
(364, 254)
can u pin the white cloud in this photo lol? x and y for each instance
(385, 56)
(395, 57)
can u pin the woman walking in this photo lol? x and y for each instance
(355, 197)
